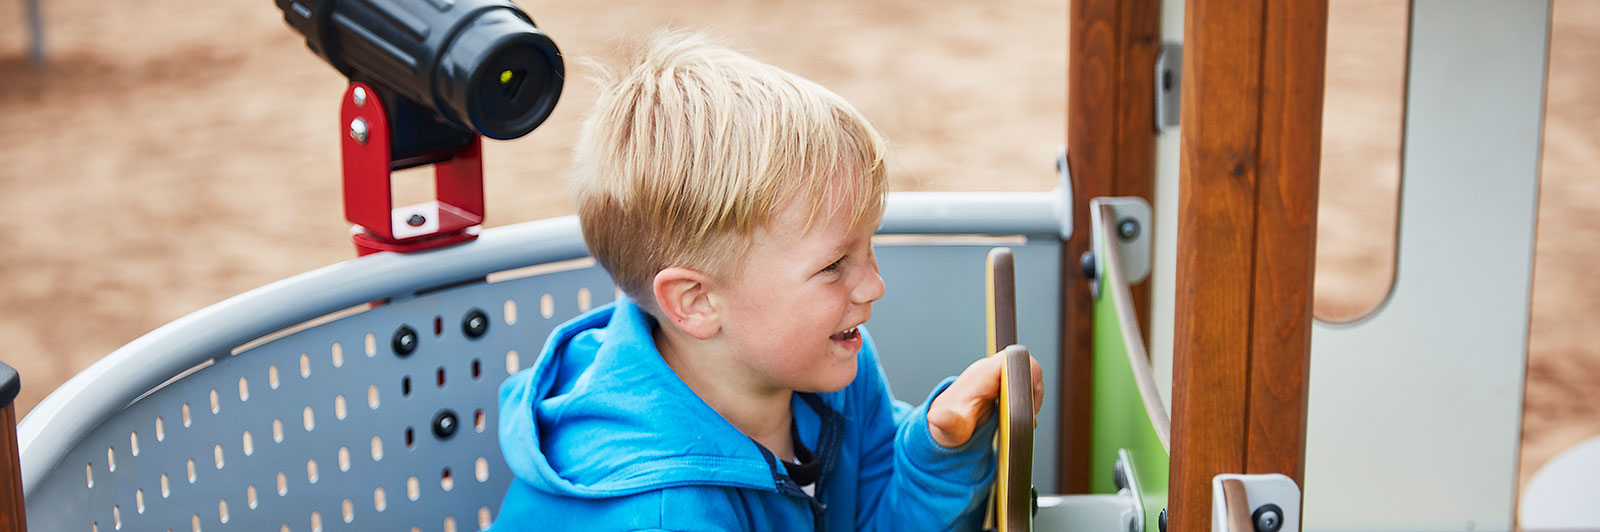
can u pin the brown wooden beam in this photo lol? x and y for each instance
(1252, 126)
(12, 518)
(1111, 147)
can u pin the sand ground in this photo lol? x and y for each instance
(176, 153)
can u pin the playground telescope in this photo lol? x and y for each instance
(428, 79)
(478, 65)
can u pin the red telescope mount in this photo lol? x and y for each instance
(370, 154)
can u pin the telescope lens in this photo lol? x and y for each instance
(515, 91)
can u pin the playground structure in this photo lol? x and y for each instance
(1032, 220)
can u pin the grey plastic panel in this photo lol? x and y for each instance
(930, 322)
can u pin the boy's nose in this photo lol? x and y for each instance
(870, 289)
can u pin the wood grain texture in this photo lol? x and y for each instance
(1286, 235)
(12, 517)
(1111, 146)
(1252, 106)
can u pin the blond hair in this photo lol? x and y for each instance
(694, 147)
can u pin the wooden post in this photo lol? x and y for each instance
(11, 504)
(1111, 146)
(1252, 127)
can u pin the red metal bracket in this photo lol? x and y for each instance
(455, 215)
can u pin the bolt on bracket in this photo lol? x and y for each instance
(1254, 503)
(1127, 481)
(1130, 223)
(1169, 84)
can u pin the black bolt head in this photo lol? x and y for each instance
(475, 323)
(1087, 265)
(416, 220)
(1119, 475)
(405, 341)
(1268, 518)
(1161, 520)
(444, 424)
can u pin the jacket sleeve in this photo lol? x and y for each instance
(908, 481)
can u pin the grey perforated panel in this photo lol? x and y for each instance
(324, 429)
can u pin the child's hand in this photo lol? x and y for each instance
(967, 403)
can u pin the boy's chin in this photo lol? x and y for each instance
(832, 383)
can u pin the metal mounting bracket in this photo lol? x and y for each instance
(1169, 81)
(1063, 191)
(1131, 221)
(1260, 503)
(1128, 483)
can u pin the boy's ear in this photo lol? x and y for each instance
(684, 298)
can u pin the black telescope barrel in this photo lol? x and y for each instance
(480, 64)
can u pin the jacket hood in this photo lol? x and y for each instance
(589, 419)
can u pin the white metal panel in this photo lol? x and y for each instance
(1415, 411)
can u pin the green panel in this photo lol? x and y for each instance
(1119, 419)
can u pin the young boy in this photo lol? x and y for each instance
(734, 387)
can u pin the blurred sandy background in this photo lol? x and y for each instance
(174, 153)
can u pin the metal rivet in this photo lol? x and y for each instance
(1119, 476)
(416, 220)
(405, 341)
(358, 130)
(1161, 520)
(475, 323)
(444, 424)
(360, 96)
(1128, 229)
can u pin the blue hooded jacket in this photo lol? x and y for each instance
(602, 435)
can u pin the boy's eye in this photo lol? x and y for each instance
(835, 266)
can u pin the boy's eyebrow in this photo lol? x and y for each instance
(844, 246)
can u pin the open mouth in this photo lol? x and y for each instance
(852, 334)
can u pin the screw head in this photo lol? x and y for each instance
(359, 95)
(416, 220)
(1086, 264)
(475, 323)
(444, 424)
(1128, 229)
(1161, 520)
(405, 341)
(1268, 518)
(358, 130)
(1119, 475)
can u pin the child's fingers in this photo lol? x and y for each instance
(969, 401)
(958, 411)
(1038, 384)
